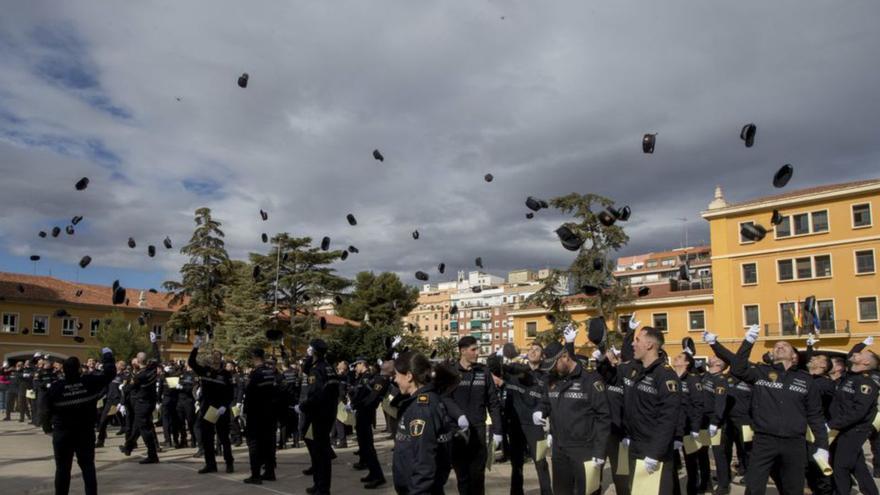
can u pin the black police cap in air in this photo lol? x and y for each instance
(264, 215)
(378, 156)
(479, 261)
(533, 204)
(747, 134)
(42, 234)
(420, 275)
(687, 343)
(648, 142)
(35, 257)
(415, 234)
(590, 290)
(167, 243)
(82, 184)
(118, 295)
(783, 175)
(75, 220)
(596, 330)
(264, 237)
(776, 218)
(131, 243)
(344, 256)
(84, 261)
(351, 220)
(56, 231)
(753, 232)
(441, 267)
(151, 251)
(325, 243)
(644, 291)
(530, 215)
(569, 239)
(243, 80)
(352, 249)
(606, 219)
(69, 229)
(488, 177)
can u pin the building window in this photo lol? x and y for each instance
(742, 238)
(787, 316)
(865, 262)
(68, 327)
(181, 335)
(660, 322)
(804, 267)
(94, 326)
(10, 323)
(786, 271)
(868, 308)
(861, 215)
(749, 273)
(531, 329)
(652, 264)
(826, 315)
(696, 320)
(822, 265)
(41, 325)
(157, 329)
(820, 221)
(783, 229)
(751, 315)
(801, 223)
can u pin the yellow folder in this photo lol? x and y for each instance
(236, 411)
(593, 476)
(832, 436)
(644, 483)
(386, 406)
(112, 411)
(716, 440)
(705, 439)
(30, 394)
(876, 422)
(810, 437)
(622, 460)
(690, 445)
(212, 414)
(540, 450)
(172, 381)
(826, 469)
(100, 404)
(748, 433)
(309, 434)
(344, 416)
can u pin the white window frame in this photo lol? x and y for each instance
(13, 328)
(852, 215)
(859, 308)
(739, 232)
(160, 335)
(745, 319)
(793, 271)
(93, 332)
(856, 261)
(34, 325)
(812, 268)
(65, 332)
(664, 313)
(811, 230)
(705, 323)
(742, 274)
(779, 313)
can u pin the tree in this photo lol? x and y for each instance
(446, 347)
(201, 290)
(385, 297)
(591, 268)
(122, 337)
(245, 319)
(304, 278)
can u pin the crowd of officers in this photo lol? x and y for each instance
(791, 417)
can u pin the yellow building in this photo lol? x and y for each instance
(431, 315)
(33, 320)
(825, 246)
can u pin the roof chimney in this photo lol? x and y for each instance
(719, 201)
(142, 299)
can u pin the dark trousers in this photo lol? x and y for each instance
(788, 455)
(142, 425)
(734, 437)
(819, 483)
(523, 440)
(705, 469)
(104, 421)
(363, 425)
(875, 449)
(170, 425)
(469, 461)
(288, 423)
(339, 433)
(34, 405)
(320, 452)
(692, 468)
(186, 419)
(848, 460)
(722, 463)
(569, 477)
(67, 443)
(261, 445)
(209, 431)
(11, 402)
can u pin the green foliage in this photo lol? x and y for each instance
(123, 337)
(244, 319)
(384, 297)
(202, 277)
(369, 341)
(447, 348)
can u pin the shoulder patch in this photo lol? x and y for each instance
(416, 427)
(866, 389)
(423, 399)
(599, 386)
(719, 390)
(377, 387)
(311, 380)
(671, 385)
(699, 386)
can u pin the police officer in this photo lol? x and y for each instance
(784, 403)
(421, 442)
(169, 396)
(25, 403)
(186, 407)
(690, 419)
(260, 409)
(739, 396)
(238, 385)
(217, 392)
(42, 379)
(651, 408)
(287, 417)
(69, 408)
(614, 369)
(580, 418)
(716, 414)
(319, 407)
(340, 439)
(852, 413)
(143, 393)
(367, 394)
(112, 398)
(13, 391)
(474, 395)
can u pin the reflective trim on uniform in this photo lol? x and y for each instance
(72, 402)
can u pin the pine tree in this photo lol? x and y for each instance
(245, 317)
(384, 297)
(125, 338)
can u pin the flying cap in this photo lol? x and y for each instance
(510, 351)
(590, 290)
(352, 249)
(624, 213)
(167, 242)
(420, 275)
(488, 177)
(84, 262)
(378, 156)
(533, 204)
(776, 219)
(118, 295)
(569, 239)
(265, 237)
(69, 229)
(131, 243)
(151, 250)
(61, 313)
(78, 292)
(351, 220)
(684, 272)
(747, 134)
(344, 255)
(648, 141)
(243, 80)
(264, 215)
(479, 261)
(783, 175)
(325, 243)
(644, 291)
(606, 219)
(753, 232)
(441, 267)
(82, 184)
(530, 215)
(687, 344)
(476, 289)
(551, 354)
(42, 234)
(415, 234)
(597, 330)
(78, 339)
(35, 257)
(75, 220)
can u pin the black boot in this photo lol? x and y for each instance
(208, 469)
(253, 481)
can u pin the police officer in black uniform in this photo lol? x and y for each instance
(367, 394)
(44, 377)
(69, 408)
(690, 418)
(260, 404)
(784, 404)
(12, 392)
(319, 407)
(186, 407)
(143, 401)
(112, 399)
(716, 414)
(217, 392)
(288, 420)
(25, 404)
(238, 385)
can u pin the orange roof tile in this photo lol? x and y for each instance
(804, 192)
(332, 320)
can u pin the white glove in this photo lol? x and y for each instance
(379, 362)
(239, 405)
(695, 435)
(713, 430)
(625, 442)
(811, 340)
(197, 342)
(106, 350)
(297, 409)
(153, 337)
(549, 441)
(633, 323)
(121, 409)
(394, 356)
(310, 351)
(496, 439)
(221, 410)
(598, 461)
(396, 341)
(37, 355)
(677, 445)
(463, 423)
(616, 351)
(710, 338)
(821, 454)
(868, 340)
(121, 386)
(651, 465)
(752, 334)
(570, 334)
(538, 418)
(500, 353)
(179, 385)
(158, 406)
(348, 408)
(598, 355)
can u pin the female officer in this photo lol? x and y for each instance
(422, 446)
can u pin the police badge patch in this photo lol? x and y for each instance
(671, 385)
(866, 389)
(377, 387)
(599, 386)
(311, 380)
(416, 427)
(772, 376)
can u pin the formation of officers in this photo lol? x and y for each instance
(792, 417)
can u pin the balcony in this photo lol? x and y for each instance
(695, 284)
(832, 328)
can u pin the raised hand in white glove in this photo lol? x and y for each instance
(709, 338)
(868, 340)
(297, 409)
(752, 333)
(158, 406)
(463, 423)
(651, 465)
(677, 445)
(598, 356)
(713, 430)
(153, 337)
(394, 356)
(121, 410)
(396, 341)
(500, 353)
(197, 342)
(310, 351)
(496, 440)
(221, 410)
(570, 333)
(106, 350)
(179, 386)
(348, 408)
(821, 454)
(811, 340)
(633, 323)
(625, 442)
(538, 418)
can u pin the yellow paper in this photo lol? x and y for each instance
(716, 440)
(748, 433)
(31, 394)
(212, 414)
(705, 439)
(622, 460)
(309, 435)
(690, 445)
(236, 411)
(540, 450)
(488, 420)
(100, 404)
(832, 435)
(593, 476)
(644, 483)
(877, 422)
(826, 469)
(344, 416)
(112, 411)
(172, 381)
(810, 437)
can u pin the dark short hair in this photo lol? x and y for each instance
(875, 360)
(537, 344)
(415, 363)
(466, 341)
(655, 334)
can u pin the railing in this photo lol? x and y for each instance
(826, 327)
(694, 284)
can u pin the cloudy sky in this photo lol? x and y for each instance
(550, 98)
